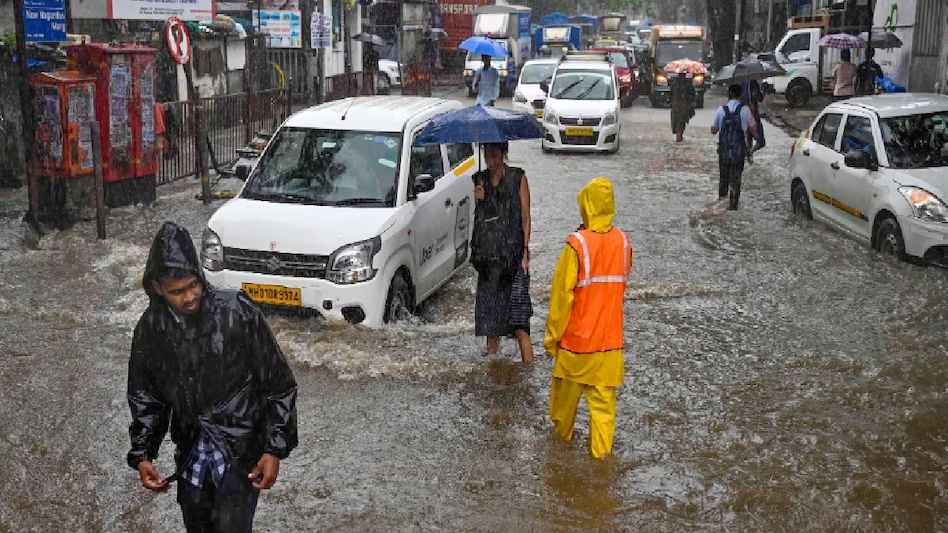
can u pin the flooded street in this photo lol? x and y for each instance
(779, 377)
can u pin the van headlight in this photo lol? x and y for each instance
(925, 205)
(520, 98)
(699, 79)
(549, 116)
(625, 78)
(609, 119)
(661, 79)
(212, 251)
(353, 263)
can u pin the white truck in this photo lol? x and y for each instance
(809, 66)
(509, 25)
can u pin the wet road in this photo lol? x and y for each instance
(779, 376)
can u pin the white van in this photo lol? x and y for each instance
(344, 216)
(581, 112)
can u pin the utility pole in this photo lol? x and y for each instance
(307, 13)
(26, 109)
(739, 30)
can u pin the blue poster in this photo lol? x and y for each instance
(44, 21)
(524, 24)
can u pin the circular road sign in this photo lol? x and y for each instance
(178, 41)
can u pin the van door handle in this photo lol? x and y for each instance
(448, 203)
(835, 165)
(806, 152)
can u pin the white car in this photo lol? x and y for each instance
(389, 76)
(582, 105)
(529, 97)
(344, 216)
(876, 168)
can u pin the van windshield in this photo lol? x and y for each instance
(582, 85)
(327, 167)
(534, 74)
(669, 51)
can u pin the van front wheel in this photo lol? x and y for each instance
(399, 304)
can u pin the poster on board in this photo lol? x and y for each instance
(284, 29)
(190, 10)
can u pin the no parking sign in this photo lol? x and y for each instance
(179, 43)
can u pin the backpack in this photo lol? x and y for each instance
(732, 144)
(498, 242)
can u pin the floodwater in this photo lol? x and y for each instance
(779, 377)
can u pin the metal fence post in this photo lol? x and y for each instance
(99, 186)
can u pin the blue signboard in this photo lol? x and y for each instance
(44, 21)
(524, 24)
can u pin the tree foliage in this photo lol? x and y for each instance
(721, 24)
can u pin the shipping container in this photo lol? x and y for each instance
(457, 19)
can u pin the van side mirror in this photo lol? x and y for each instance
(860, 159)
(423, 183)
(545, 87)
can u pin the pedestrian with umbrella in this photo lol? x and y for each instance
(866, 74)
(683, 94)
(844, 76)
(486, 81)
(747, 75)
(502, 221)
(731, 122)
(370, 57)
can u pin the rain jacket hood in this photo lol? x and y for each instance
(220, 374)
(172, 248)
(597, 205)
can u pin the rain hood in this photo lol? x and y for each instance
(172, 248)
(597, 205)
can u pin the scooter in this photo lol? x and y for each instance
(247, 156)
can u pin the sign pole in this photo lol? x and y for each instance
(179, 43)
(99, 187)
(26, 111)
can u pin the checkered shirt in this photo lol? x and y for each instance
(205, 458)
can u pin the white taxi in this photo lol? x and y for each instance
(876, 168)
(582, 105)
(344, 216)
(529, 97)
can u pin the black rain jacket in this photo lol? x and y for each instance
(225, 375)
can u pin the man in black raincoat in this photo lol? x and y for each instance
(205, 362)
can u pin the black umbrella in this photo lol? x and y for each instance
(369, 38)
(748, 70)
(882, 39)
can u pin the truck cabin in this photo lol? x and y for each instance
(671, 43)
(499, 22)
(612, 26)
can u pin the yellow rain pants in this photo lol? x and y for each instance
(564, 402)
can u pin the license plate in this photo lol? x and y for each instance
(273, 294)
(580, 132)
(539, 114)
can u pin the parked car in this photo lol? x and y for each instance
(876, 168)
(390, 75)
(622, 60)
(529, 97)
(582, 105)
(342, 215)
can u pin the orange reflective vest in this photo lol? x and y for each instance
(596, 319)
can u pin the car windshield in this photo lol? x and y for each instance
(670, 51)
(582, 85)
(534, 74)
(619, 59)
(327, 167)
(916, 141)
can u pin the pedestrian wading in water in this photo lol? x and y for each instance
(683, 97)
(500, 253)
(584, 330)
(204, 363)
(751, 97)
(731, 123)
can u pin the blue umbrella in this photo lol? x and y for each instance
(478, 124)
(484, 46)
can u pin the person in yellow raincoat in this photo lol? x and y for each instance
(584, 330)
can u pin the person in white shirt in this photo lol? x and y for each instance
(486, 83)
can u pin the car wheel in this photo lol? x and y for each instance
(652, 100)
(618, 143)
(399, 304)
(798, 92)
(384, 84)
(801, 201)
(544, 149)
(889, 239)
(699, 102)
(470, 93)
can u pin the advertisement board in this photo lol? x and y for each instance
(523, 24)
(190, 10)
(283, 28)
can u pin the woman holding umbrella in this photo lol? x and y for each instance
(500, 253)
(683, 95)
